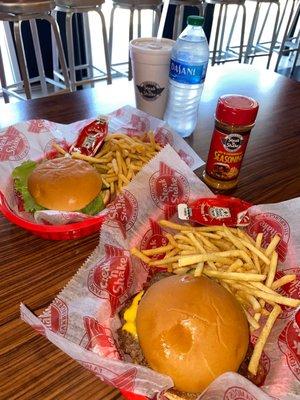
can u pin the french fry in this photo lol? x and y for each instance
(261, 341)
(59, 148)
(272, 245)
(140, 255)
(222, 256)
(272, 269)
(236, 276)
(158, 250)
(283, 281)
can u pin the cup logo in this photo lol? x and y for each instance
(163, 136)
(99, 338)
(13, 145)
(168, 188)
(289, 344)
(271, 224)
(152, 239)
(56, 317)
(124, 381)
(150, 91)
(123, 211)
(112, 278)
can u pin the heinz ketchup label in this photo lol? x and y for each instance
(217, 210)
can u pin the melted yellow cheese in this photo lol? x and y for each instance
(130, 315)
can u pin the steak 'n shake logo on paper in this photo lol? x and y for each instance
(123, 211)
(271, 224)
(168, 188)
(124, 381)
(163, 136)
(37, 126)
(50, 152)
(139, 123)
(152, 239)
(238, 393)
(13, 145)
(289, 344)
(186, 157)
(99, 338)
(291, 289)
(112, 277)
(56, 317)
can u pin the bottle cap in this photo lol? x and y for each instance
(233, 109)
(195, 20)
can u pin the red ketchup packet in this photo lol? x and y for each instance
(218, 210)
(91, 137)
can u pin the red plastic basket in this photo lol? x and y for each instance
(132, 396)
(53, 232)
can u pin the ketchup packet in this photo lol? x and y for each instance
(91, 137)
(217, 210)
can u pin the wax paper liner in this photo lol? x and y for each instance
(32, 140)
(83, 319)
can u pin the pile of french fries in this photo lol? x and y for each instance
(120, 158)
(237, 262)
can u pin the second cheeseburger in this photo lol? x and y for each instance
(189, 328)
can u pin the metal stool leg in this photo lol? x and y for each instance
(21, 57)
(87, 45)
(156, 21)
(61, 54)
(274, 36)
(242, 33)
(130, 38)
(175, 26)
(180, 21)
(105, 45)
(70, 49)
(232, 27)
(223, 32)
(264, 23)
(285, 36)
(38, 55)
(54, 51)
(252, 33)
(296, 57)
(3, 80)
(213, 59)
(139, 32)
(111, 31)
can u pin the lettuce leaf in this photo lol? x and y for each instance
(94, 207)
(20, 176)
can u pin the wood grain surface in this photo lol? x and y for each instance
(33, 270)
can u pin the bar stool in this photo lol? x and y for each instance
(71, 7)
(179, 12)
(3, 80)
(259, 49)
(231, 53)
(291, 38)
(18, 11)
(132, 6)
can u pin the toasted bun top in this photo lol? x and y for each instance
(191, 329)
(64, 184)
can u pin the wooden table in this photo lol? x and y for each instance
(34, 270)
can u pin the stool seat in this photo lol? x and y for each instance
(225, 1)
(137, 3)
(26, 7)
(78, 3)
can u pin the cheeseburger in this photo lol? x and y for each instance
(62, 184)
(189, 328)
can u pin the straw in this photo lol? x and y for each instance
(163, 19)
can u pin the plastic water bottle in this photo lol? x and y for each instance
(188, 67)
